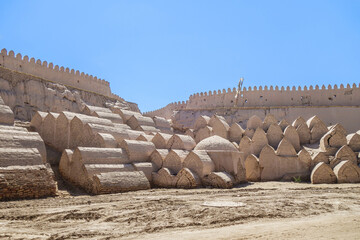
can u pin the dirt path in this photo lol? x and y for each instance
(262, 210)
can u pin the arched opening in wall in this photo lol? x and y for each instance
(78, 81)
(292, 99)
(231, 101)
(204, 100)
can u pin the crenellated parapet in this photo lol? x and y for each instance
(49, 71)
(167, 111)
(268, 97)
(348, 95)
(113, 95)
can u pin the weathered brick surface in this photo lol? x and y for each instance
(19, 182)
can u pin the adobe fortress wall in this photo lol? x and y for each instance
(270, 97)
(55, 73)
(334, 104)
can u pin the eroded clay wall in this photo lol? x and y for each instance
(55, 73)
(25, 94)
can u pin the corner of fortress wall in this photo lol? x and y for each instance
(255, 97)
(55, 73)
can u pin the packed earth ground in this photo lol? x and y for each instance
(264, 210)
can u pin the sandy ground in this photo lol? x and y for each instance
(272, 210)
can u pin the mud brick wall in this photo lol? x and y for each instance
(26, 182)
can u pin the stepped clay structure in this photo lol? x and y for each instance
(274, 150)
(100, 170)
(103, 144)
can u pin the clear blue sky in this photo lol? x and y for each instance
(157, 52)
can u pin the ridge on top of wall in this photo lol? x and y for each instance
(55, 73)
(113, 95)
(271, 88)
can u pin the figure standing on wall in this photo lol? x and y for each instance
(238, 92)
